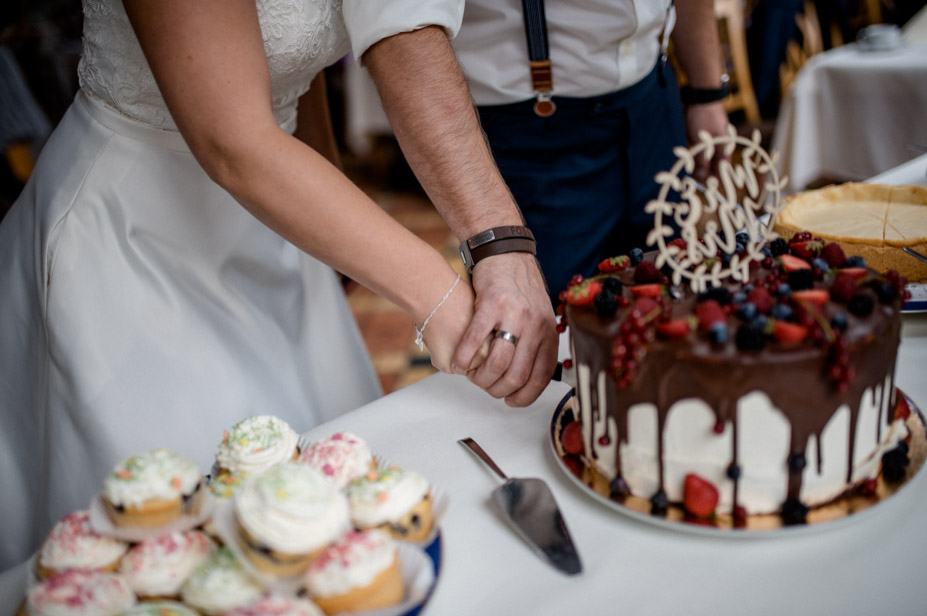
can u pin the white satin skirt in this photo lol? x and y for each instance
(140, 307)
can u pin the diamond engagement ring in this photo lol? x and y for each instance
(507, 336)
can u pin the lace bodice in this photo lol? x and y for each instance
(301, 37)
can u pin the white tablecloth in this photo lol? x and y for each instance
(852, 114)
(871, 563)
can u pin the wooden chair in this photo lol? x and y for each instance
(796, 54)
(732, 30)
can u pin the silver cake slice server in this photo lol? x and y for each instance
(531, 510)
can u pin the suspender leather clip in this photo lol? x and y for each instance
(544, 106)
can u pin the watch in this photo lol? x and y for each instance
(496, 241)
(700, 96)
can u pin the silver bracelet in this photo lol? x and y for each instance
(420, 331)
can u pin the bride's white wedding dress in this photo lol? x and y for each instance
(141, 305)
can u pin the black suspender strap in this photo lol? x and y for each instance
(542, 76)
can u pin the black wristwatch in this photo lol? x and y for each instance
(496, 241)
(701, 96)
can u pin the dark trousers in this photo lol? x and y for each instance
(583, 175)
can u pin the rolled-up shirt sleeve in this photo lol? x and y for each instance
(370, 21)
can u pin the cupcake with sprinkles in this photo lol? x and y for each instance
(341, 457)
(80, 593)
(255, 444)
(152, 489)
(286, 515)
(160, 608)
(157, 567)
(395, 500)
(358, 572)
(278, 605)
(73, 544)
(220, 584)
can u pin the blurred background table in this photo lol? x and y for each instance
(852, 114)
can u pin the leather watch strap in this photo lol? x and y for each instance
(497, 241)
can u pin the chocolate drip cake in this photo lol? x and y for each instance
(771, 397)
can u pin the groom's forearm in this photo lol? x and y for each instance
(426, 98)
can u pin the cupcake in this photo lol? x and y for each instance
(255, 444)
(152, 489)
(341, 457)
(358, 572)
(392, 499)
(160, 608)
(80, 593)
(278, 605)
(73, 544)
(286, 516)
(157, 568)
(220, 584)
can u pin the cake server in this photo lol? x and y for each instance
(915, 254)
(531, 510)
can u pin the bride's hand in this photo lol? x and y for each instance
(447, 326)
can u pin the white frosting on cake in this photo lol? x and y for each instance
(73, 544)
(80, 593)
(342, 457)
(692, 446)
(278, 605)
(160, 608)
(292, 508)
(220, 584)
(159, 566)
(385, 495)
(156, 475)
(256, 443)
(354, 561)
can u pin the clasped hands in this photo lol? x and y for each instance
(501, 332)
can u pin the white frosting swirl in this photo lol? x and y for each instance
(159, 566)
(79, 593)
(354, 561)
(385, 495)
(292, 508)
(256, 443)
(341, 457)
(157, 475)
(73, 544)
(220, 584)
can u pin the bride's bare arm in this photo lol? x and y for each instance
(208, 59)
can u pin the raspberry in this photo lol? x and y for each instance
(761, 298)
(647, 272)
(709, 313)
(833, 254)
(801, 236)
(844, 288)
